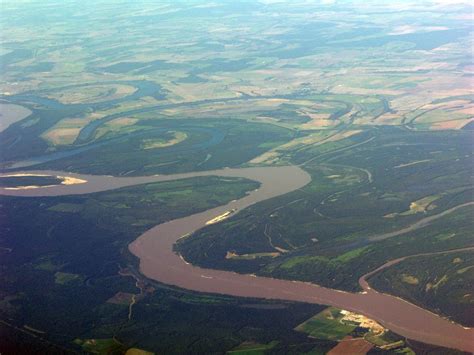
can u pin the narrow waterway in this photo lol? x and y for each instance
(159, 262)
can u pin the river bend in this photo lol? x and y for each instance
(159, 262)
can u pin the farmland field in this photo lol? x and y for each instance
(373, 100)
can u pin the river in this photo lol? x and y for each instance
(159, 262)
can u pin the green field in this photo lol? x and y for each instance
(373, 99)
(326, 325)
(252, 348)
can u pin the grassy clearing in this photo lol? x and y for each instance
(406, 351)
(92, 93)
(250, 348)
(234, 256)
(409, 279)
(119, 125)
(66, 207)
(101, 346)
(301, 261)
(135, 351)
(353, 254)
(63, 278)
(326, 325)
(176, 137)
(46, 264)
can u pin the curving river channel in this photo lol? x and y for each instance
(159, 262)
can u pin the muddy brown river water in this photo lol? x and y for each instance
(159, 262)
